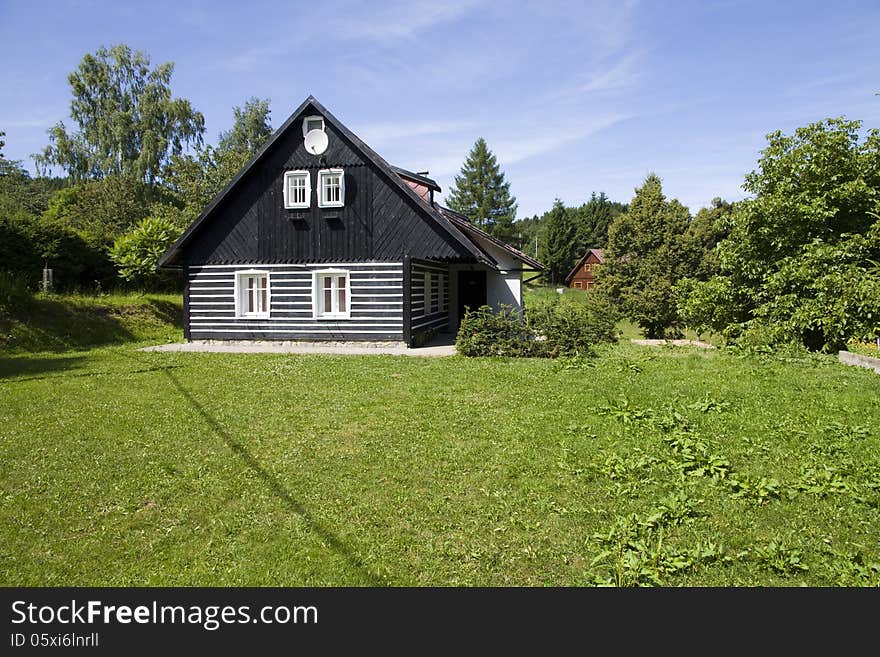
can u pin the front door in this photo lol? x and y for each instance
(471, 291)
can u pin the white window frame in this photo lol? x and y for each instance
(299, 173)
(240, 312)
(314, 117)
(324, 173)
(319, 312)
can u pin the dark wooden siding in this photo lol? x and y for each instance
(430, 307)
(376, 298)
(378, 222)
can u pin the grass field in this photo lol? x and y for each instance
(643, 466)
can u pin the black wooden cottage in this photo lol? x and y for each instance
(319, 238)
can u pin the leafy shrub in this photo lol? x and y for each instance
(559, 328)
(483, 332)
(14, 293)
(28, 243)
(570, 327)
(800, 261)
(137, 252)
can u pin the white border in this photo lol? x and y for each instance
(237, 291)
(308, 177)
(327, 172)
(316, 291)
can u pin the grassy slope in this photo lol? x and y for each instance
(130, 468)
(62, 323)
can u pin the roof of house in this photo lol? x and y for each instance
(463, 223)
(394, 178)
(597, 253)
(416, 177)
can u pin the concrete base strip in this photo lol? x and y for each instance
(338, 348)
(869, 362)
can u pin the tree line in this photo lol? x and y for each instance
(796, 262)
(136, 173)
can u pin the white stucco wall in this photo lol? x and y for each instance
(502, 287)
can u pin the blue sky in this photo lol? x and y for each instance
(571, 97)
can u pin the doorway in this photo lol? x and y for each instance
(471, 291)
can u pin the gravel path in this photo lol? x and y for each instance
(442, 346)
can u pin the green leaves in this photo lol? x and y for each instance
(651, 248)
(481, 193)
(251, 128)
(558, 252)
(137, 253)
(128, 122)
(798, 264)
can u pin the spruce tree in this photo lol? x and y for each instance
(482, 195)
(648, 252)
(593, 219)
(558, 249)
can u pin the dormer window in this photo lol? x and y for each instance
(297, 189)
(331, 188)
(313, 123)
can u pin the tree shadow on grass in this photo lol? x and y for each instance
(167, 312)
(315, 525)
(37, 367)
(51, 325)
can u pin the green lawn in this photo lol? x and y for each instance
(643, 466)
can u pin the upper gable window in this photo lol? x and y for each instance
(313, 123)
(297, 189)
(331, 188)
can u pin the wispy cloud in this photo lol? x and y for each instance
(541, 141)
(403, 20)
(621, 74)
(380, 134)
(252, 58)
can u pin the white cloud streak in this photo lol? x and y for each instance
(403, 20)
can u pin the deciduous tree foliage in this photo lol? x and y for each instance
(797, 264)
(127, 122)
(648, 252)
(190, 183)
(251, 128)
(136, 254)
(481, 193)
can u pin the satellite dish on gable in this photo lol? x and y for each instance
(316, 141)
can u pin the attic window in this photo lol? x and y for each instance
(297, 189)
(331, 188)
(313, 123)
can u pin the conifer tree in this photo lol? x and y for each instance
(481, 193)
(648, 252)
(558, 250)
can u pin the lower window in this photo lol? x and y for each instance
(331, 294)
(252, 294)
